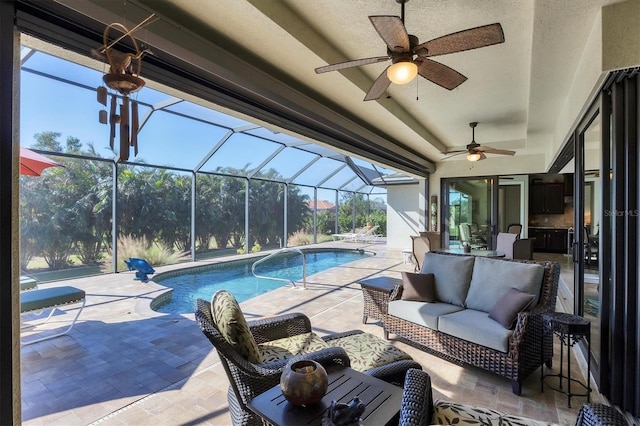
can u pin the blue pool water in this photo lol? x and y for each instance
(237, 277)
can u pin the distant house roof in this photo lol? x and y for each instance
(322, 205)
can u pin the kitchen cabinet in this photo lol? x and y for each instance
(568, 184)
(546, 198)
(550, 240)
(540, 242)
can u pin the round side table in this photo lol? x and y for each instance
(570, 329)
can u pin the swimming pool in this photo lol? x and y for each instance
(236, 276)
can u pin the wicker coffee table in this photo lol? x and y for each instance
(376, 292)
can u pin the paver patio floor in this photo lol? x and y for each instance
(124, 364)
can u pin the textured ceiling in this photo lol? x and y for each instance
(515, 90)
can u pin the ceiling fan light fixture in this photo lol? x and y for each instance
(473, 156)
(402, 72)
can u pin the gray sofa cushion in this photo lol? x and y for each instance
(476, 326)
(421, 313)
(491, 278)
(452, 275)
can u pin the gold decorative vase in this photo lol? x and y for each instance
(304, 382)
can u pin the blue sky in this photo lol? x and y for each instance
(165, 139)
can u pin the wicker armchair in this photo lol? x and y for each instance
(248, 380)
(416, 408)
(600, 415)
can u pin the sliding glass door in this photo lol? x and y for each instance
(469, 211)
(587, 203)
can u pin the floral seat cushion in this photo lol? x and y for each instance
(288, 347)
(452, 413)
(367, 351)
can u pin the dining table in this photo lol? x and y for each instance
(473, 252)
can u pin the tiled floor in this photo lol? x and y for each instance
(124, 364)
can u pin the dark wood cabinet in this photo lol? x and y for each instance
(546, 198)
(568, 184)
(549, 240)
(536, 199)
(539, 243)
(557, 241)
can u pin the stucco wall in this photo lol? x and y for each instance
(621, 35)
(406, 206)
(613, 43)
(584, 88)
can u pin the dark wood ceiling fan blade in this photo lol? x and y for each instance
(471, 38)
(482, 156)
(490, 150)
(439, 73)
(453, 154)
(351, 64)
(392, 31)
(378, 87)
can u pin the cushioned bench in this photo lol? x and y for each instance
(50, 298)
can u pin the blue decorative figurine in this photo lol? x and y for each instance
(141, 267)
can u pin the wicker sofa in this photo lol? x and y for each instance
(458, 326)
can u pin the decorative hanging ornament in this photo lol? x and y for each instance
(124, 78)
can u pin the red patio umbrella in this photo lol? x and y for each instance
(32, 163)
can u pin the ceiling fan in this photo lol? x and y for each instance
(476, 152)
(409, 57)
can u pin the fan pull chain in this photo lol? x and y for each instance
(417, 94)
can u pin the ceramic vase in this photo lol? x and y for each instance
(303, 382)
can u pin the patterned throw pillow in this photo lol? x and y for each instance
(451, 413)
(230, 322)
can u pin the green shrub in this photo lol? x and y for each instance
(155, 253)
(299, 238)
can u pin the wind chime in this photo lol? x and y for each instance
(123, 78)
